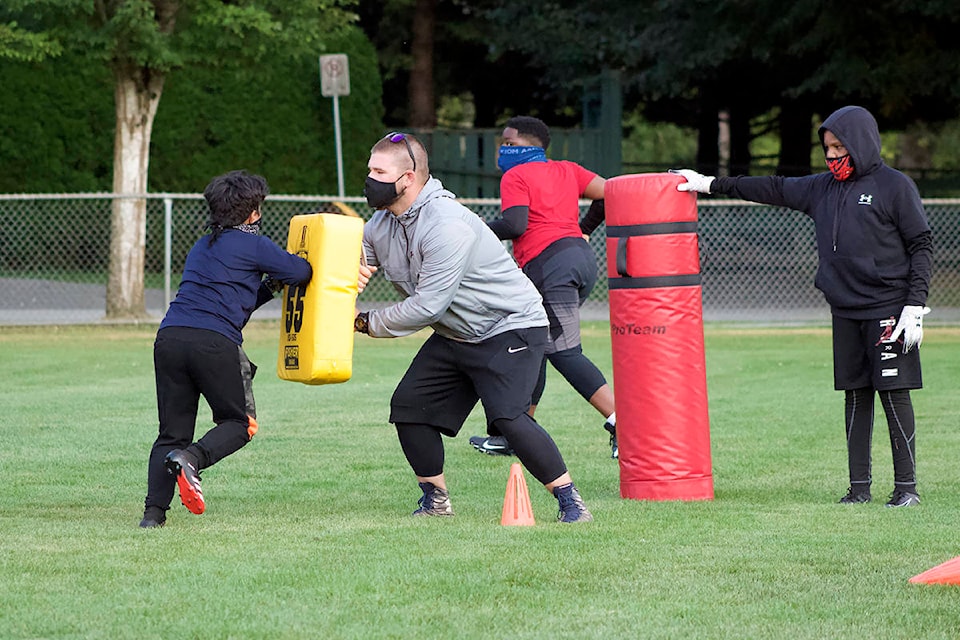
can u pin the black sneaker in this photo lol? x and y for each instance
(434, 501)
(855, 497)
(188, 480)
(492, 445)
(615, 450)
(153, 517)
(903, 499)
(571, 504)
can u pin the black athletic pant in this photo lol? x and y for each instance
(902, 427)
(189, 363)
(447, 378)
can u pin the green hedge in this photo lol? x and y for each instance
(56, 133)
(56, 128)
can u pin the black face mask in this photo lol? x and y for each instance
(381, 194)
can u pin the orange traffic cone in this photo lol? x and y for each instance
(946, 573)
(516, 502)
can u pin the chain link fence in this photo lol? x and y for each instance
(758, 262)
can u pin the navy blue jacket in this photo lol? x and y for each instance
(873, 238)
(221, 283)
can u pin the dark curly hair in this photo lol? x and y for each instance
(530, 127)
(233, 196)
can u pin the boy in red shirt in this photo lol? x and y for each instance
(540, 213)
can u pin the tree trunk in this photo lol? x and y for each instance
(423, 112)
(795, 124)
(740, 156)
(708, 134)
(723, 143)
(136, 95)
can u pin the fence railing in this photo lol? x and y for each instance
(758, 262)
(466, 159)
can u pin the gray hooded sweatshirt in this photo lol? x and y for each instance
(453, 272)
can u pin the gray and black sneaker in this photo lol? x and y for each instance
(492, 445)
(612, 429)
(153, 517)
(855, 496)
(434, 501)
(902, 498)
(571, 504)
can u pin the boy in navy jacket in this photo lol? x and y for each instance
(198, 350)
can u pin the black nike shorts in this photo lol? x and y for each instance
(863, 358)
(446, 378)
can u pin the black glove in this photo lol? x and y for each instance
(361, 324)
(274, 285)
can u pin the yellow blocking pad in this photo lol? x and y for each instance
(316, 332)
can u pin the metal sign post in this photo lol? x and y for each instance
(335, 82)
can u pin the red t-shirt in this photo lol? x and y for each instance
(552, 191)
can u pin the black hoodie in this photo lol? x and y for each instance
(873, 238)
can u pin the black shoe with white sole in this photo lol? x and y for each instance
(614, 449)
(492, 445)
(903, 499)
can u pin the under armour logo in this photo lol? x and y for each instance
(865, 199)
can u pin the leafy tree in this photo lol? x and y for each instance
(687, 61)
(283, 129)
(141, 42)
(389, 25)
(471, 66)
(17, 43)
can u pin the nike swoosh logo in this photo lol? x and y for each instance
(515, 349)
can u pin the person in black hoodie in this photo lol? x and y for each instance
(875, 249)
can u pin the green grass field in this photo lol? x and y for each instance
(307, 532)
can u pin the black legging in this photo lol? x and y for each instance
(423, 447)
(576, 369)
(859, 428)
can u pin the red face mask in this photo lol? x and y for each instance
(841, 167)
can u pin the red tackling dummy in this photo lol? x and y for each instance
(656, 325)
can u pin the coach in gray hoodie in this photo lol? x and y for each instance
(488, 320)
(875, 251)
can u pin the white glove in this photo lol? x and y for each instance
(911, 326)
(695, 181)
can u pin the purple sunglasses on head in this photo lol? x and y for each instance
(397, 137)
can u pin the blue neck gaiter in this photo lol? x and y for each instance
(512, 156)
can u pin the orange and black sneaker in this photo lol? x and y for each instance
(188, 480)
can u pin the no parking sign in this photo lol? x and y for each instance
(334, 75)
(335, 82)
